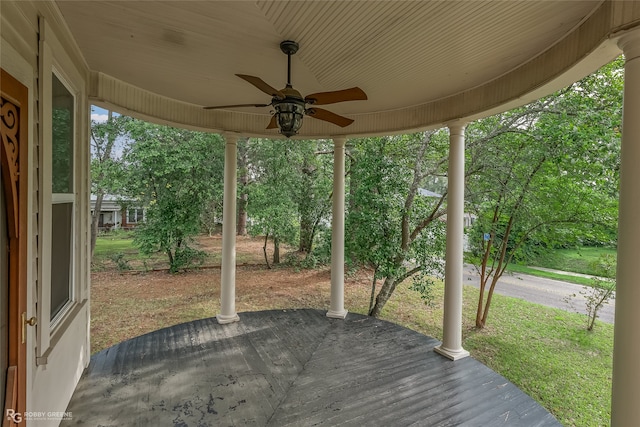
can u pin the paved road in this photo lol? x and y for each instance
(552, 293)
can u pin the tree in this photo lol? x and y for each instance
(271, 195)
(542, 175)
(175, 173)
(391, 227)
(602, 288)
(243, 182)
(289, 193)
(105, 171)
(314, 171)
(211, 215)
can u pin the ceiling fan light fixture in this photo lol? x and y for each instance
(289, 115)
(289, 104)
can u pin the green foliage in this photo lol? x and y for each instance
(319, 255)
(424, 284)
(314, 168)
(62, 150)
(545, 175)
(533, 271)
(602, 288)
(107, 142)
(211, 216)
(289, 196)
(175, 174)
(271, 204)
(579, 259)
(390, 227)
(121, 261)
(187, 257)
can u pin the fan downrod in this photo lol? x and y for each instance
(289, 47)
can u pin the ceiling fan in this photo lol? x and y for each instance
(290, 105)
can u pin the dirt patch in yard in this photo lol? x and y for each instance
(128, 304)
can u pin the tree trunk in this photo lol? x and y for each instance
(171, 261)
(387, 289)
(592, 322)
(306, 234)
(373, 290)
(276, 250)
(487, 305)
(353, 185)
(483, 283)
(243, 181)
(306, 205)
(95, 217)
(264, 250)
(502, 260)
(242, 215)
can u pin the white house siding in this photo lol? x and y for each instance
(52, 377)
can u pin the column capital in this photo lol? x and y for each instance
(231, 137)
(339, 140)
(456, 127)
(630, 44)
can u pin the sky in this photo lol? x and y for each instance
(98, 114)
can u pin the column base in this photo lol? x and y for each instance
(451, 354)
(337, 314)
(224, 318)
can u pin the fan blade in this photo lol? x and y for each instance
(273, 124)
(236, 106)
(323, 98)
(328, 116)
(260, 84)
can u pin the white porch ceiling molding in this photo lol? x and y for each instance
(422, 63)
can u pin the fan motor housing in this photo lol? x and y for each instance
(289, 47)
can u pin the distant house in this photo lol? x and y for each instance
(469, 218)
(116, 213)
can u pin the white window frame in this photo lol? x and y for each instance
(136, 215)
(53, 59)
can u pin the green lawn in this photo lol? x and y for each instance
(110, 244)
(546, 352)
(550, 355)
(578, 260)
(523, 269)
(116, 249)
(120, 244)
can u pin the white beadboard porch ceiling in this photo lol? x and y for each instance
(403, 54)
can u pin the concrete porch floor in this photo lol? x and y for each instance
(293, 368)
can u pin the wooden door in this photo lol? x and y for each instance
(13, 167)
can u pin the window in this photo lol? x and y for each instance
(135, 215)
(62, 196)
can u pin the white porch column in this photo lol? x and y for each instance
(336, 309)
(228, 274)
(625, 410)
(451, 346)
